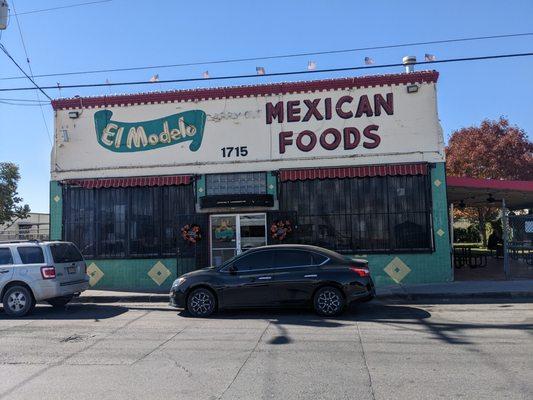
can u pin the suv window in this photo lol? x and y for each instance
(31, 255)
(292, 258)
(255, 260)
(65, 252)
(5, 256)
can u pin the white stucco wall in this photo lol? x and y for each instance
(411, 134)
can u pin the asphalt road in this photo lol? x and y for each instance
(481, 350)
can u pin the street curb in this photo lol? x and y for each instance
(450, 296)
(151, 298)
(159, 298)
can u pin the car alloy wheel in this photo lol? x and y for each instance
(329, 301)
(201, 303)
(18, 301)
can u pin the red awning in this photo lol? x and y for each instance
(475, 192)
(98, 183)
(353, 172)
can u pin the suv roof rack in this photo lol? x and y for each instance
(20, 241)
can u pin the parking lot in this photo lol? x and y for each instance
(378, 350)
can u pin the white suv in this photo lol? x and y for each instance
(32, 271)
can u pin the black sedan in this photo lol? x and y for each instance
(281, 275)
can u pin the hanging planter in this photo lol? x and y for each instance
(191, 233)
(280, 229)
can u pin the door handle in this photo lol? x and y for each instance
(310, 276)
(264, 278)
(4, 271)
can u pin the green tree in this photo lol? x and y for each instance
(10, 202)
(493, 150)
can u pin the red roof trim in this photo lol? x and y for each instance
(246, 91)
(456, 181)
(353, 172)
(98, 183)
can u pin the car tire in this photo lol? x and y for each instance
(18, 301)
(329, 301)
(59, 302)
(201, 303)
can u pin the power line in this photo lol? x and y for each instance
(23, 100)
(11, 103)
(31, 73)
(60, 7)
(279, 56)
(450, 60)
(24, 72)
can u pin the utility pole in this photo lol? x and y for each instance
(4, 14)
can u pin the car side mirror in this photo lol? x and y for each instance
(232, 269)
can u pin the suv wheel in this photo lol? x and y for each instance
(18, 301)
(59, 302)
(329, 301)
(201, 303)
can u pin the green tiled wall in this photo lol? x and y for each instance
(133, 275)
(56, 211)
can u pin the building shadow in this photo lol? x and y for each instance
(398, 316)
(70, 312)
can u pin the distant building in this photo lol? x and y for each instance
(36, 226)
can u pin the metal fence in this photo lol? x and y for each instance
(520, 238)
(23, 232)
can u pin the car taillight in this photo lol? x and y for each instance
(362, 272)
(48, 272)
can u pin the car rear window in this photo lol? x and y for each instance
(5, 256)
(318, 259)
(31, 255)
(65, 252)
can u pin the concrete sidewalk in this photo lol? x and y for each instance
(451, 290)
(457, 290)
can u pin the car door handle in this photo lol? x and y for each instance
(4, 271)
(310, 276)
(264, 278)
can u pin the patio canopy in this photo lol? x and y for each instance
(477, 192)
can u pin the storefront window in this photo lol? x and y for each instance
(79, 219)
(111, 223)
(241, 183)
(145, 222)
(373, 214)
(127, 222)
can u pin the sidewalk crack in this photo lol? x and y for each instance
(245, 361)
(366, 362)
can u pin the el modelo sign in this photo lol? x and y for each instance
(148, 135)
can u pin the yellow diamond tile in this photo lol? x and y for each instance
(397, 270)
(95, 274)
(437, 182)
(159, 273)
(57, 198)
(440, 232)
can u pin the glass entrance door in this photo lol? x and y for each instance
(231, 234)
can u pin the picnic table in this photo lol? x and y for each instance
(464, 256)
(521, 250)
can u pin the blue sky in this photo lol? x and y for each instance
(125, 33)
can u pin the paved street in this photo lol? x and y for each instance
(376, 351)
